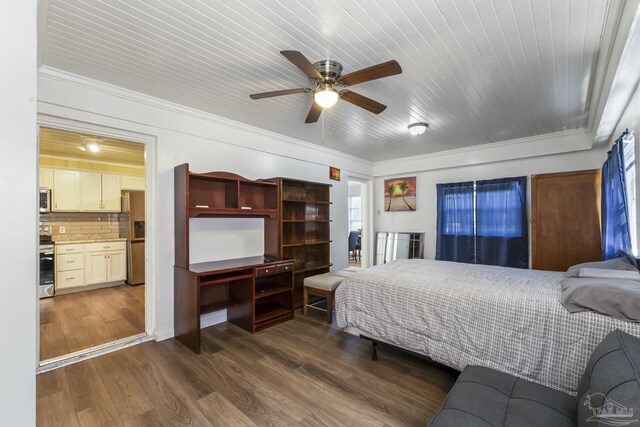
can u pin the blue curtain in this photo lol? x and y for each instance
(616, 238)
(455, 239)
(502, 232)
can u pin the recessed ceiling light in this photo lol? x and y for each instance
(418, 128)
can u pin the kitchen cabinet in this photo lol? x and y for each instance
(66, 190)
(100, 192)
(105, 262)
(46, 178)
(69, 266)
(85, 264)
(129, 182)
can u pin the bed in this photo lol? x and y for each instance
(457, 314)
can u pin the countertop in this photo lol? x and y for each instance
(86, 239)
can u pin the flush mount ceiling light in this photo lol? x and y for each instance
(90, 144)
(417, 128)
(326, 96)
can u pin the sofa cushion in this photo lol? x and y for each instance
(485, 397)
(611, 382)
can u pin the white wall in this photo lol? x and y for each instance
(423, 219)
(207, 143)
(18, 252)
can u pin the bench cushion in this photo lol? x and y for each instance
(611, 380)
(485, 397)
(325, 282)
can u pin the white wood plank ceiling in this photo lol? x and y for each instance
(478, 71)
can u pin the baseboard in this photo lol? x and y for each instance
(213, 318)
(206, 320)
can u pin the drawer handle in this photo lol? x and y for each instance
(68, 250)
(267, 270)
(69, 262)
(107, 247)
(286, 267)
(70, 278)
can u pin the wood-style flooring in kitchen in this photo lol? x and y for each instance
(81, 320)
(301, 372)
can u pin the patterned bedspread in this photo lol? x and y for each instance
(462, 314)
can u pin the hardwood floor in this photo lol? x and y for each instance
(302, 372)
(78, 321)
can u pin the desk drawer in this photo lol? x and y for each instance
(284, 268)
(266, 271)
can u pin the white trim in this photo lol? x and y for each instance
(163, 335)
(91, 352)
(149, 142)
(533, 146)
(213, 318)
(116, 91)
(98, 162)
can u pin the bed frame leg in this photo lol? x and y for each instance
(374, 354)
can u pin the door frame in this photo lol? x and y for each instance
(367, 216)
(151, 282)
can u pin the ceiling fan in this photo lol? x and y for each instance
(329, 83)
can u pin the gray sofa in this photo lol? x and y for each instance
(608, 394)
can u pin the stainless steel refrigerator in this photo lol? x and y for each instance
(133, 230)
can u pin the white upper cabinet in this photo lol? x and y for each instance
(111, 193)
(100, 192)
(66, 190)
(91, 191)
(132, 182)
(46, 178)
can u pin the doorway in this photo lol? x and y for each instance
(92, 224)
(355, 222)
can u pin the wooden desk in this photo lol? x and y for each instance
(256, 292)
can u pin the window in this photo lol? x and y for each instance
(483, 222)
(630, 180)
(355, 213)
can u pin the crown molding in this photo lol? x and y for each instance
(129, 95)
(533, 146)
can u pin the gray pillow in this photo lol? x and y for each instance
(622, 263)
(612, 297)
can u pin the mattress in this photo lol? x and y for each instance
(457, 314)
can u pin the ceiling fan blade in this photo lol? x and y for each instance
(279, 93)
(386, 69)
(362, 101)
(314, 113)
(301, 61)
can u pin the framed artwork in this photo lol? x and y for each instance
(400, 194)
(334, 173)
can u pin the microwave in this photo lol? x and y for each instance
(45, 200)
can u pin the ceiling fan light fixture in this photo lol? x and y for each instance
(326, 96)
(417, 128)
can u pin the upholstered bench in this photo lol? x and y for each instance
(324, 286)
(608, 394)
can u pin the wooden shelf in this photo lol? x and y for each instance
(275, 291)
(303, 230)
(306, 220)
(309, 202)
(195, 212)
(320, 242)
(269, 312)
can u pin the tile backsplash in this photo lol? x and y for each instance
(81, 225)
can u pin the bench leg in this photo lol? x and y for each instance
(329, 307)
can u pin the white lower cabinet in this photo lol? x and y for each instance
(105, 262)
(85, 264)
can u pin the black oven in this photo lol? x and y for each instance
(47, 271)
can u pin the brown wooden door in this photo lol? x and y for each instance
(565, 215)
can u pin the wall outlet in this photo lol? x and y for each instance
(62, 230)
